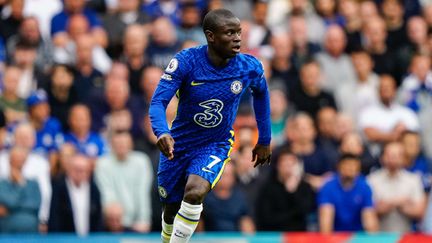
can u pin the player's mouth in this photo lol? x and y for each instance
(236, 48)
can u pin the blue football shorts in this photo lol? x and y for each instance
(207, 162)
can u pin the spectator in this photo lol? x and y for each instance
(20, 197)
(31, 78)
(415, 92)
(36, 167)
(167, 8)
(71, 7)
(66, 152)
(368, 10)
(259, 33)
(116, 97)
(10, 25)
(286, 199)
(353, 97)
(317, 165)
(415, 161)
(240, 8)
(190, 20)
(118, 70)
(61, 93)
(11, 104)
(417, 31)
(249, 179)
(125, 178)
(393, 13)
(345, 201)
(48, 129)
(352, 143)
(350, 11)
(226, 208)
(280, 110)
(163, 43)
(315, 25)
(29, 33)
(344, 124)
(76, 203)
(149, 81)
(282, 69)
(335, 64)
(427, 14)
(326, 124)
(67, 50)
(375, 35)
(115, 23)
(327, 10)
(43, 11)
(87, 78)
(86, 142)
(303, 48)
(398, 194)
(135, 42)
(386, 121)
(309, 97)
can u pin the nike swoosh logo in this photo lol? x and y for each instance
(207, 170)
(193, 83)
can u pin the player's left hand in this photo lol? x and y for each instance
(261, 155)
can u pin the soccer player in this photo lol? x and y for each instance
(209, 81)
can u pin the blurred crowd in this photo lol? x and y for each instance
(351, 108)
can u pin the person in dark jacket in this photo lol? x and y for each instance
(286, 199)
(76, 202)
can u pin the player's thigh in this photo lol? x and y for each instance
(209, 163)
(172, 178)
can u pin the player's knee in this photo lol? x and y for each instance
(194, 194)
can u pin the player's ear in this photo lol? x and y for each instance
(209, 35)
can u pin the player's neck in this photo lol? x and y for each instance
(215, 59)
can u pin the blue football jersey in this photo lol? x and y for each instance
(209, 97)
(47, 136)
(93, 146)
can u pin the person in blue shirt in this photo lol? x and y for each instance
(209, 81)
(345, 201)
(60, 21)
(85, 141)
(48, 129)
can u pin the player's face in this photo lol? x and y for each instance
(227, 38)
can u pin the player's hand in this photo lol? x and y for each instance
(165, 144)
(261, 155)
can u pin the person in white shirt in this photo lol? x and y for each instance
(336, 65)
(125, 178)
(398, 194)
(387, 120)
(353, 97)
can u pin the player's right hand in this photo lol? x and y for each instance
(165, 144)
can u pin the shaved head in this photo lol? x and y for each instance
(216, 18)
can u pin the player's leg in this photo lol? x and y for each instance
(187, 218)
(171, 184)
(169, 212)
(204, 171)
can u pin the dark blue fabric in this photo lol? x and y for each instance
(224, 214)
